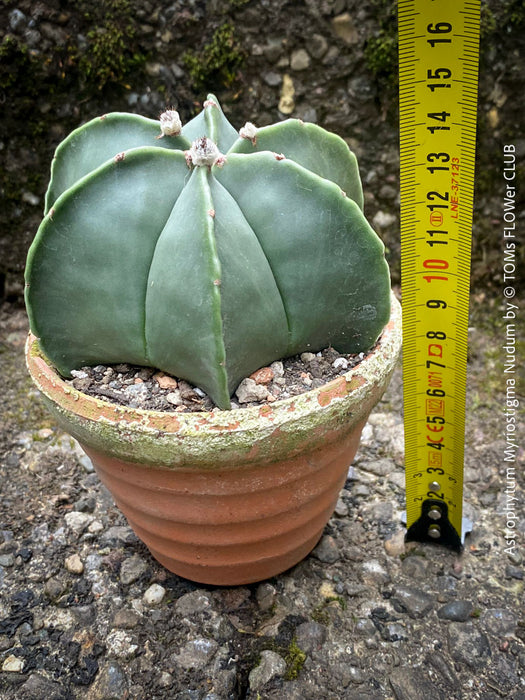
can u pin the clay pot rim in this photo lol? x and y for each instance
(352, 386)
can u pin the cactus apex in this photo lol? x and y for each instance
(204, 151)
(209, 103)
(170, 123)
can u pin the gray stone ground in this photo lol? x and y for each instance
(85, 612)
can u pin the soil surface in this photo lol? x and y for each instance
(153, 390)
(86, 612)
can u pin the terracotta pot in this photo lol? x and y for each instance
(227, 497)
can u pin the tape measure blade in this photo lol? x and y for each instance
(438, 64)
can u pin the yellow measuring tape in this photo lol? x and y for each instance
(438, 72)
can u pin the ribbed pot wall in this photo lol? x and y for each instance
(235, 525)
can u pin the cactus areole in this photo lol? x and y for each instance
(203, 251)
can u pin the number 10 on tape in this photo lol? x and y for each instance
(438, 69)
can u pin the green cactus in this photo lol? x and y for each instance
(203, 252)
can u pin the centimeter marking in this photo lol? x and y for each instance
(438, 69)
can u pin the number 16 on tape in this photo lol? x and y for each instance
(438, 70)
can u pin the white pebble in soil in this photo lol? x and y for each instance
(154, 594)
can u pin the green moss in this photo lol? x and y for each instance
(110, 55)
(487, 23)
(320, 613)
(104, 61)
(381, 49)
(293, 655)
(219, 60)
(112, 52)
(295, 658)
(515, 14)
(36, 84)
(381, 56)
